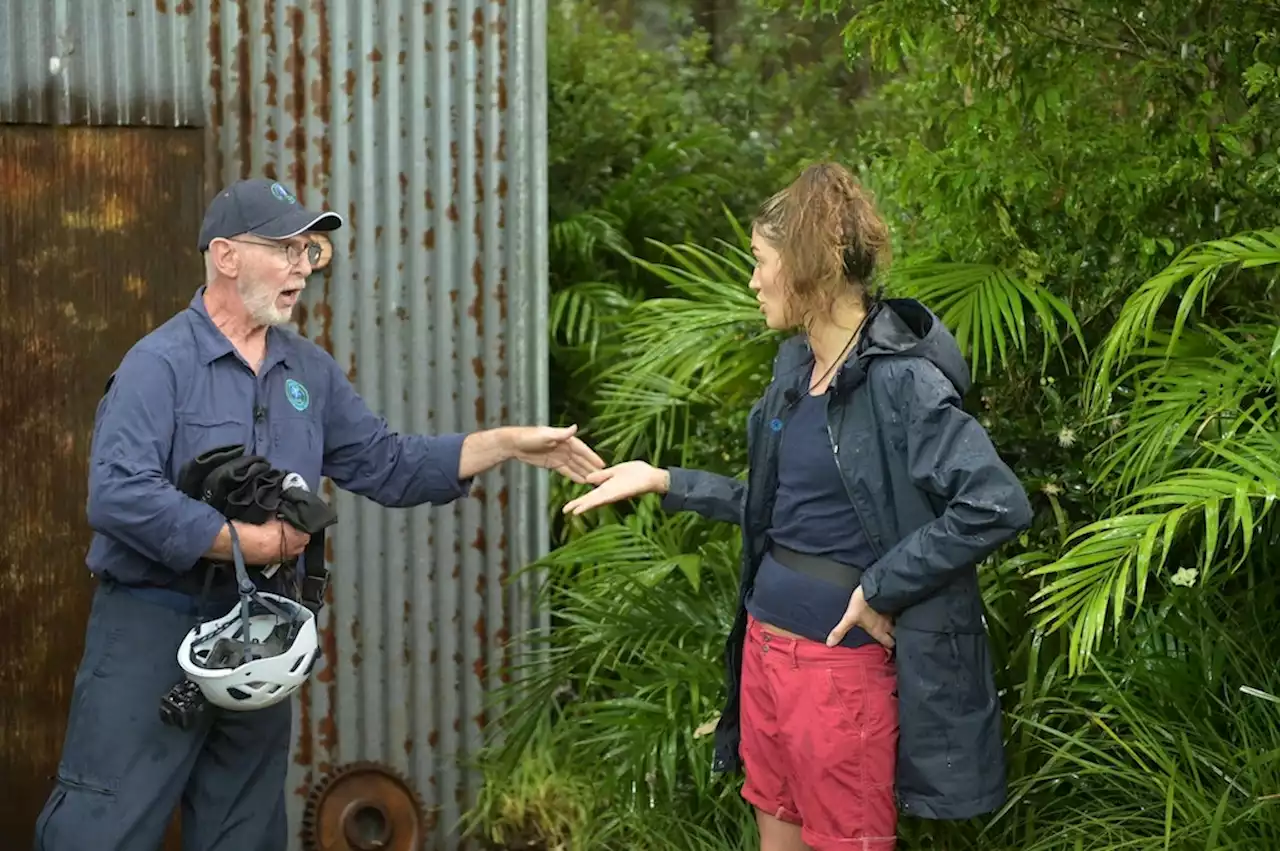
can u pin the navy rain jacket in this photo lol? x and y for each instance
(935, 499)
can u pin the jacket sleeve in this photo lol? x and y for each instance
(950, 456)
(713, 496)
(364, 456)
(130, 498)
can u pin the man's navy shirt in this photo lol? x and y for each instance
(183, 390)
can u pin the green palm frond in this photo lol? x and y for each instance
(1110, 561)
(581, 313)
(641, 607)
(1206, 386)
(579, 237)
(704, 348)
(1198, 266)
(646, 546)
(986, 308)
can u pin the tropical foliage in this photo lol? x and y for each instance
(1085, 192)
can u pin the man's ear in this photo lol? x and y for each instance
(225, 258)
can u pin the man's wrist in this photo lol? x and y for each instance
(506, 438)
(484, 450)
(664, 480)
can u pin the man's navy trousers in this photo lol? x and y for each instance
(123, 770)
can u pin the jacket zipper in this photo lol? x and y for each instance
(835, 450)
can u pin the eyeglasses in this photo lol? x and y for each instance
(292, 251)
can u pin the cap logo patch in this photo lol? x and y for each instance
(297, 394)
(283, 194)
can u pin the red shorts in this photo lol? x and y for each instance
(820, 739)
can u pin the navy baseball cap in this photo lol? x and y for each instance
(264, 208)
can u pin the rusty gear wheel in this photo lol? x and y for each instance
(364, 806)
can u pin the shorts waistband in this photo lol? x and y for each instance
(802, 651)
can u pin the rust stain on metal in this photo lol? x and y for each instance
(320, 90)
(375, 57)
(351, 376)
(162, 7)
(477, 366)
(300, 316)
(351, 223)
(74, 302)
(480, 540)
(327, 731)
(295, 100)
(270, 79)
(303, 752)
(325, 314)
(186, 7)
(217, 114)
(240, 67)
(327, 672)
(408, 746)
(477, 28)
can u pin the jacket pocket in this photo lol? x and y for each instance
(951, 748)
(956, 607)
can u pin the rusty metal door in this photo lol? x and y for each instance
(97, 247)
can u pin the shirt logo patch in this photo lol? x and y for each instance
(283, 194)
(297, 394)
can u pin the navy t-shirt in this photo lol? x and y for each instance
(811, 514)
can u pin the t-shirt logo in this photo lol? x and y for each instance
(297, 394)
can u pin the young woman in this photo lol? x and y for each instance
(858, 672)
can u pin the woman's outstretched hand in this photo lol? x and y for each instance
(621, 481)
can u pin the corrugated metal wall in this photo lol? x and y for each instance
(422, 123)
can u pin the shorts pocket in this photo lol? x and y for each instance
(848, 691)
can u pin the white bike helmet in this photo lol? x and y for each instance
(256, 655)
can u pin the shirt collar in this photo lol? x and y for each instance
(213, 344)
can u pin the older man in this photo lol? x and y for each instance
(219, 373)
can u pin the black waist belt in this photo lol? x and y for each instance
(819, 567)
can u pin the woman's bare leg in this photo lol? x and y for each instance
(778, 835)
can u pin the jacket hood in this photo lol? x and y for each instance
(897, 327)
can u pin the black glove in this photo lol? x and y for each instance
(305, 511)
(192, 476)
(234, 489)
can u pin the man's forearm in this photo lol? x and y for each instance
(483, 450)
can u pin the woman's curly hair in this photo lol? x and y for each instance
(828, 234)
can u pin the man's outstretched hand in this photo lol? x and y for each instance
(557, 449)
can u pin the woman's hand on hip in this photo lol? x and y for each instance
(878, 626)
(621, 481)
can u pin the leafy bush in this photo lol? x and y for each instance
(1063, 179)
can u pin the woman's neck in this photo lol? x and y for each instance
(832, 337)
